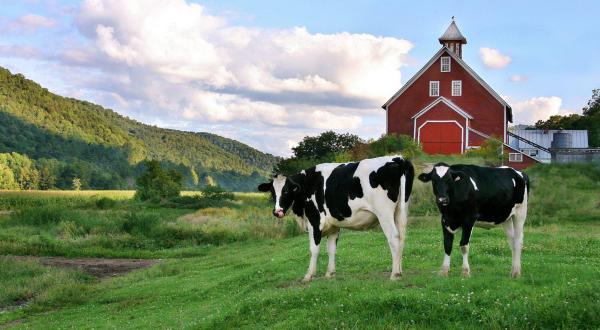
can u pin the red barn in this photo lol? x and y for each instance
(448, 108)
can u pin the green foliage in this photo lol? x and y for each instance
(77, 139)
(325, 144)
(157, 184)
(388, 145)
(491, 152)
(590, 120)
(357, 150)
(7, 178)
(105, 203)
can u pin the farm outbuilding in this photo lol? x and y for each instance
(448, 108)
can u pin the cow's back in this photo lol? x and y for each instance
(496, 190)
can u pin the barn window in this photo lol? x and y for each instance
(515, 157)
(434, 88)
(456, 87)
(445, 64)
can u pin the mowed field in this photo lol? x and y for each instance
(237, 266)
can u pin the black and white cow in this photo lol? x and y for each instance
(466, 194)
(349, 195)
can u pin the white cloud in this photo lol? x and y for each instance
(493, 59)
(29, 23)
(517, 78)
(170, 61)
(537, 108)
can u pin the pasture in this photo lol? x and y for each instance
(237, 266)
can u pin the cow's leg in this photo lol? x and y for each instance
(401, 219)
(331, 247)
(518, 224)
(510, 235)
(391, 233)
(464, 249)
(314, 238)
(448, 240)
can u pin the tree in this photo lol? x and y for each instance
(590, 120)
(157, 184)
(76, 184)
(7, 178)
(325, 144)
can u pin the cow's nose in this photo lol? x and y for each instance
(278, 213)
(443, 200)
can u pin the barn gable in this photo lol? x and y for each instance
(444, 51)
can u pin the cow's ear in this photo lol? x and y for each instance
(425, 177)
(264, 187)
(458, 175)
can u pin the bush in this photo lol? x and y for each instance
(140, 223)
(105, 203)
(211, 196)
(158, 184)
(490, 151)
(395, 143)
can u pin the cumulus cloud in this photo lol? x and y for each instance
(170, 61)
(493, 59)
(30, 23)
(537, 108)
(517, 78)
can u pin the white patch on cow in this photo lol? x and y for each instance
(474, 184)
(514, 183)
(446, 263)
(278, 183)
(441, 170)
(452, 231)
(519, 173)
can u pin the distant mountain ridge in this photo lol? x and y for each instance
(79, 139)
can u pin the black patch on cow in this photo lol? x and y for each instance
(342, 186)
(388, 177)
(314, 219)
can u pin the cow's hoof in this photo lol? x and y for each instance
(330, 275)
(444, 272)
(308, 278)
(515, 274)
(466, 272)
(395, 276)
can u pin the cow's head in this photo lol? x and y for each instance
(284, 191)
(448, 185)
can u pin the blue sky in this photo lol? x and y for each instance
(269, 72)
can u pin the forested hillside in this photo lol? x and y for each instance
(54, 140)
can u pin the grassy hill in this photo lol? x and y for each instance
(74, 138)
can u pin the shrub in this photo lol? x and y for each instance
(395, 143)
(105, 203)
(158, 184)
(490, 151)
(140, 223)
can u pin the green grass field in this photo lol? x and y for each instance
(237, 266)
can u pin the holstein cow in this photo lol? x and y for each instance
(350, 195)
(466, 194)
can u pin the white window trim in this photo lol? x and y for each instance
(431, 83)
(515, 157)
(452, 87)
(442, 63)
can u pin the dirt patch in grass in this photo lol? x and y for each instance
(96, 267)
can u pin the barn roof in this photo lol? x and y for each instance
(452, 34)
(462, 63)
